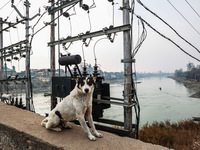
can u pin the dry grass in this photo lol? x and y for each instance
(184, 135)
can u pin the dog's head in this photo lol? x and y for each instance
(86, 85)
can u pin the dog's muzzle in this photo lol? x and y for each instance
(86, 90)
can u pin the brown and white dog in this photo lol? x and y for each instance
(77, 105)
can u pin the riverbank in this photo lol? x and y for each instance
(191, 84)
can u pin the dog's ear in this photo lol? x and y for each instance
(94, 79)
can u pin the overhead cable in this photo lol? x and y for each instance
(167, 38)
(168, 26)
(52, 20)
(141, 39)
(192, 8)
(13, 10)
(4, 5)
(183, 17)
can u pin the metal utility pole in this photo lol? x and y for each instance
(29, 97)
(127, 68)
(52, 52)
(1, 63)
(28, 75)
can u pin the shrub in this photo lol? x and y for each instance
(183, 135)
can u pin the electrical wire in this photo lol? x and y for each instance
(83, 55)
(192, 8)
(13, 10)
(167, 38)
(141, 39)
(59, 39)
(33, 34)
(4, 5)
(89, 21)
(95, 58)
(132, 12)
(113, 15)
(10, 37)
(52, 20)
(168, 26)
(70, 25)
(183, 17)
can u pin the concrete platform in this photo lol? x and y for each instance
(26, 125)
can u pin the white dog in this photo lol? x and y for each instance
(5, 97)
(77, 105)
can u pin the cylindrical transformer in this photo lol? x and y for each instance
(70, 60)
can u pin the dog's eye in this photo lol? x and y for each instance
(82, 83)
(89, 82)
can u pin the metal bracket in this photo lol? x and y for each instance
(92, 34)
(128, 61)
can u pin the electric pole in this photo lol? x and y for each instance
(1, 63)
(52, 52)
(128, 94)
(29, 97)
(28, 75)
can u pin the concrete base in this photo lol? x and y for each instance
(21, 130)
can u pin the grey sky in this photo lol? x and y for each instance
(156, 53)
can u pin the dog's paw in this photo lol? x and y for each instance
(92, 138)
(99, 135)
(56, 129)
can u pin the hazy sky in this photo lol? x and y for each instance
(156, 53)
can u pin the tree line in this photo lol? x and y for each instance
(193, 72)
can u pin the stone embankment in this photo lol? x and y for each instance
(21, 130)
(191, 84)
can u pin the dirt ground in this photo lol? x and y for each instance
(71, 139)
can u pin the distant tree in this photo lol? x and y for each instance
(190, 66)
(179, 73)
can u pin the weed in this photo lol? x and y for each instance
(183, 135)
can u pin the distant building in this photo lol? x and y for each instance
(9, 72)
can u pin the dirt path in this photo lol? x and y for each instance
(72, 139)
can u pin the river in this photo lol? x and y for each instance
(172, 102)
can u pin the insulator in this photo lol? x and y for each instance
(95, 72)
(24, 55)
(85, 7)
(75, 72)
(85, 71)
(20, 102)
(12, 101)
(15, 58)
(8, 59)
(66, 14)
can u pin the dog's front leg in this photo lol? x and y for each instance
(81, 119)
(91, 123)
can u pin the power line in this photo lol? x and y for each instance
(4, 5)
(13, 10)
(167, 38)
(192, 8)
(183, 17)
(50, 21)
(141, 39)
(168, 26)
